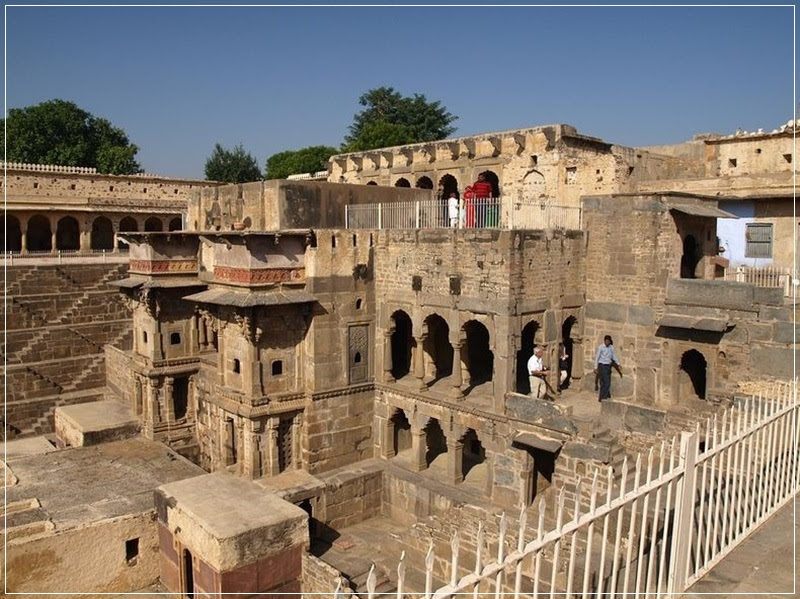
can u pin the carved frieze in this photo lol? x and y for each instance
(256, 276)
(162, 266)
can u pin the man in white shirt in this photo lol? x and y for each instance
(452, 209)
(536, 373)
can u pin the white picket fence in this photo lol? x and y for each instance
(480, 213)
(766, 276)
(62, 256)
(690, 504)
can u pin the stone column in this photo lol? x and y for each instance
(387, 441)
(228, 441)
(240, 445)
(455, 460)
(155, 412)
(387, 357)
(577, 358)
(203, 333)
(84, 239)
(137, 396)
(272, 466)
(169, 406)
(419, 447)
(255, 450)
(191, 400)
(419, 362)
(53, 231)
(456, 378)
(297, 437)
(194, 333)
(23, 227)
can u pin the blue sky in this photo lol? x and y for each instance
(180, 79)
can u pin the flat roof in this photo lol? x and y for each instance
(82, 485)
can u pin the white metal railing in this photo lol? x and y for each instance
(765, 276)
(59, 256)
(688, 506)
(48, 168)
(316, 176)
(478, 213)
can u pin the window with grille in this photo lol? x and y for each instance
(758, 237)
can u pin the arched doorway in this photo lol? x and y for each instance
(127, 224)
(424, 183)
(449, 184)
(494, 180)
(568, 346)
(68, 234)
(401, 342)
(12, 238)
(188, 574)
(153, 224)
(435, 441)
(527, 343)
(401, 438)
(438, 351)
(372, 183)
(479, 356)
(402, 182)
(175, 224)
(39, 237)
(473, 468)
(693, 374)
(102, 234)
(690, 257)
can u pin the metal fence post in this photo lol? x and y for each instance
(346, 216)
(684, 516)
(416, 214)
(380, 216)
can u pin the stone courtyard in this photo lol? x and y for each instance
(319, 379)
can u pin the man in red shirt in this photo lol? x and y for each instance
(482, 191)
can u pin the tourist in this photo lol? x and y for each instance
(483, 191)
(604, 360)
(536, 373)
(563, 367)
(469, 207)
(453, 209)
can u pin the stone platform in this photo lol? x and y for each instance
(94, 423)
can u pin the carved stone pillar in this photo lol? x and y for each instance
(191, 400)
(255, 450)
(240, 445)
(577, 358)
(229, 442)
(387, 357)
(203, 332)
(53, 248)
(273, 465)
(297, 438)
(169, 399)
(419, 447)
(456, 378)
(455, 460)
(419, 362)
(84, 240)
(23, 226)
(155, 412)
(137, 396)
(387, 440)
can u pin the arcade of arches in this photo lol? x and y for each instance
(77, 232)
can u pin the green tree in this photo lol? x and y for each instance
(232, 166)
(60, 132)
(389, 118)
(305, 160)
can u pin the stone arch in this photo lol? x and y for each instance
(449, 184)
(175, 224)
(437, 347)
(372, 183)
(401, 436)
(402, 182)
(473, 462)
(127, 224)
(534, 185)
(102, 234)
(494, 180)
(477, 353)
(68, 233)
(39, 235)
(693, 374)
(435, 441)
(568, 344)
(153, 224)
(424, 182)
(531, 335)
(401, 342)
(12, 236)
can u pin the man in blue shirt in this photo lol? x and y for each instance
(603, 361)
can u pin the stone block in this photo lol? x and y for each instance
(785, 332)
(607, 311)
(641, 315)
(644, 420)
(711, 293)
(773, 361)
(771, 313)
(586, 451)
(771, 296)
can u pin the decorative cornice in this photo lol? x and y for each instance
(162, 266)
(341, 391)
(256, 276)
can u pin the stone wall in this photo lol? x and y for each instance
(351, 495)
(320, 578)
(58, 319)
(119, 374)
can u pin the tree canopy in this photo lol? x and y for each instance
(232, 166)
(305, 160)
(389, 118)
(60, 132)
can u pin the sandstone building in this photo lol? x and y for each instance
(356, 387)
